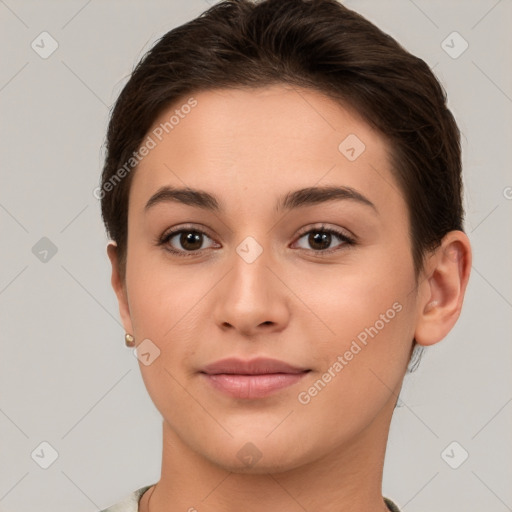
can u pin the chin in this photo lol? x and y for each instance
(258, 454)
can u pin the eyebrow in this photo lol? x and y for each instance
(290, 201)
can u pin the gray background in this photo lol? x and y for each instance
(65, 375)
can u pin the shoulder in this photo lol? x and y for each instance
(130, 503)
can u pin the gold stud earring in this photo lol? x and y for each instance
(129, 340)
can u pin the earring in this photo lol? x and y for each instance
(129, 340)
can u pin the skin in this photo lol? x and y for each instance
(248, 148)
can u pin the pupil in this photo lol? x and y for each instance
(189, 238)
(322, 238)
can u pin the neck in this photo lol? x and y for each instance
(348, 478)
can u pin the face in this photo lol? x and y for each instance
(321, 281)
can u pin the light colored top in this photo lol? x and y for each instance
(131, 502)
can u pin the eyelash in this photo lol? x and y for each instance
(166, 237)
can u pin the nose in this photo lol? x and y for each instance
(252, 298)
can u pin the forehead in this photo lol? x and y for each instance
(257, 141)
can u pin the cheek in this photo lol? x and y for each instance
(361, 310)
(160, 293)
(361, 359)
(167, 306)
(163, 306)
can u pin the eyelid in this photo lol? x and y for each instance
(321, 226)
(185, 227)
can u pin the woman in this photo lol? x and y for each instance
(282, 190)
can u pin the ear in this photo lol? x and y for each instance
(442, 291)
(119, 287)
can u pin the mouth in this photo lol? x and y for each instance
(249, 379)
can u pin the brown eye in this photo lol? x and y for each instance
(320, 240)
(185, 242)
(191, 240)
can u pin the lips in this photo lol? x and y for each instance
(256, 378)
(259, 366)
